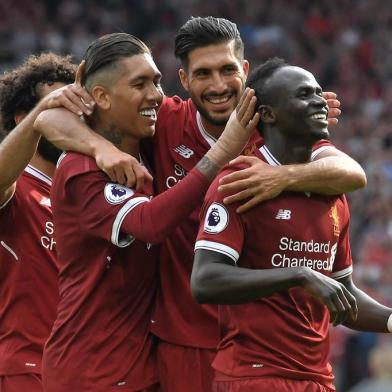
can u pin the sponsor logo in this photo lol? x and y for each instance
(283, 214)
(115, 193)
(295, 257)
(333, 213)
(216, 219)
(178, 174)
(184, 151)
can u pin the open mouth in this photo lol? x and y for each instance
(218, 99)
(149, 113)
(319, 116)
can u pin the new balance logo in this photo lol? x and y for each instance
(184, 151)
(283, 214)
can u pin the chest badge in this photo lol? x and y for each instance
(333, 213)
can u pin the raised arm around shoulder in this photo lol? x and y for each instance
(70, 133)
(332, 172)
(16, 151)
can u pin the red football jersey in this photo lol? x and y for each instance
(180, 142)
(28, 274)
(284, 334)
(100, 340)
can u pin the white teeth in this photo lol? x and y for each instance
(218, 99)
(319, 116)
(148, 113)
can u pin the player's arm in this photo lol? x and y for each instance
(215, 279)
(152, 221)
(372, 316)
(69, 132)
(331, 173)
(17, 149)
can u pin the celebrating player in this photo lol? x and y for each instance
(28, 273)
(107, 265)
(213, 72)
(285, 266)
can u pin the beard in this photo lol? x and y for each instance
(48, 151)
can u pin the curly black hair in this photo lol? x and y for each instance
(19, 89)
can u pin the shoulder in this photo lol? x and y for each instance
(72, 163)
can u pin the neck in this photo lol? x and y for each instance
(285, 150)
(214, 130)
(43, 165)
(121, 140)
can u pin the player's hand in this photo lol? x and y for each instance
(257, 183)
(240, 126)
(333, 107)
(72, 97)
(120, 166)
(341, 303)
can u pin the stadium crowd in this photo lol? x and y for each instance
(346, 44)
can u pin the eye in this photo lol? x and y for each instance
(230, 70)
(201, 73)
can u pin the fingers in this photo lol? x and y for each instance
(239, 196)
(242, 159)
(242, 98)
(329, 95)
(244, 108)
(71, 100)
(141, 176)
(79, 73)
(334, 112)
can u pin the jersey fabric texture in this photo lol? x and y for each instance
(284, 334)
(28, 274)
(100, 339)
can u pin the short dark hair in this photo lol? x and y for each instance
(203, 31)
(108, 49)
(258, 78)
(19, 89)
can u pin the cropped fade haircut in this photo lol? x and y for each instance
(104, 53)
(20, 88)
(258, 79)
(203, 31)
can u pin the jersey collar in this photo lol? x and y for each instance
(207, 137)
(38, 174)
(268, 156)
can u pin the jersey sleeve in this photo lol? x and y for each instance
(343, 265)
(102, 205)
(221, 228)
(320, 147)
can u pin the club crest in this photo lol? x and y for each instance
(115, 193)
(216, 219)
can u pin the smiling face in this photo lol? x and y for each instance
(298, 106)
(130, 97)
(135, 96)
(215, 79)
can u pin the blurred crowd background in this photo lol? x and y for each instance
(347, 44)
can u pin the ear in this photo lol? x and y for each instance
(101, 97)
(267, 114)
(19, 117)
(184, 78)
(245, 68)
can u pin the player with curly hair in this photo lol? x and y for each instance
(28, 274)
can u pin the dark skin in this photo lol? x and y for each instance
(293, 122)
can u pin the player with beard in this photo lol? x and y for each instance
(108, 272)
(28, 273)
(285, 266)
(213, 72)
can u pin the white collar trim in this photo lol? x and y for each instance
(269, 157)
(208, 138)
(38, 174)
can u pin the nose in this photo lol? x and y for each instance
(155, 93)
(319, 101)
(218, 82)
